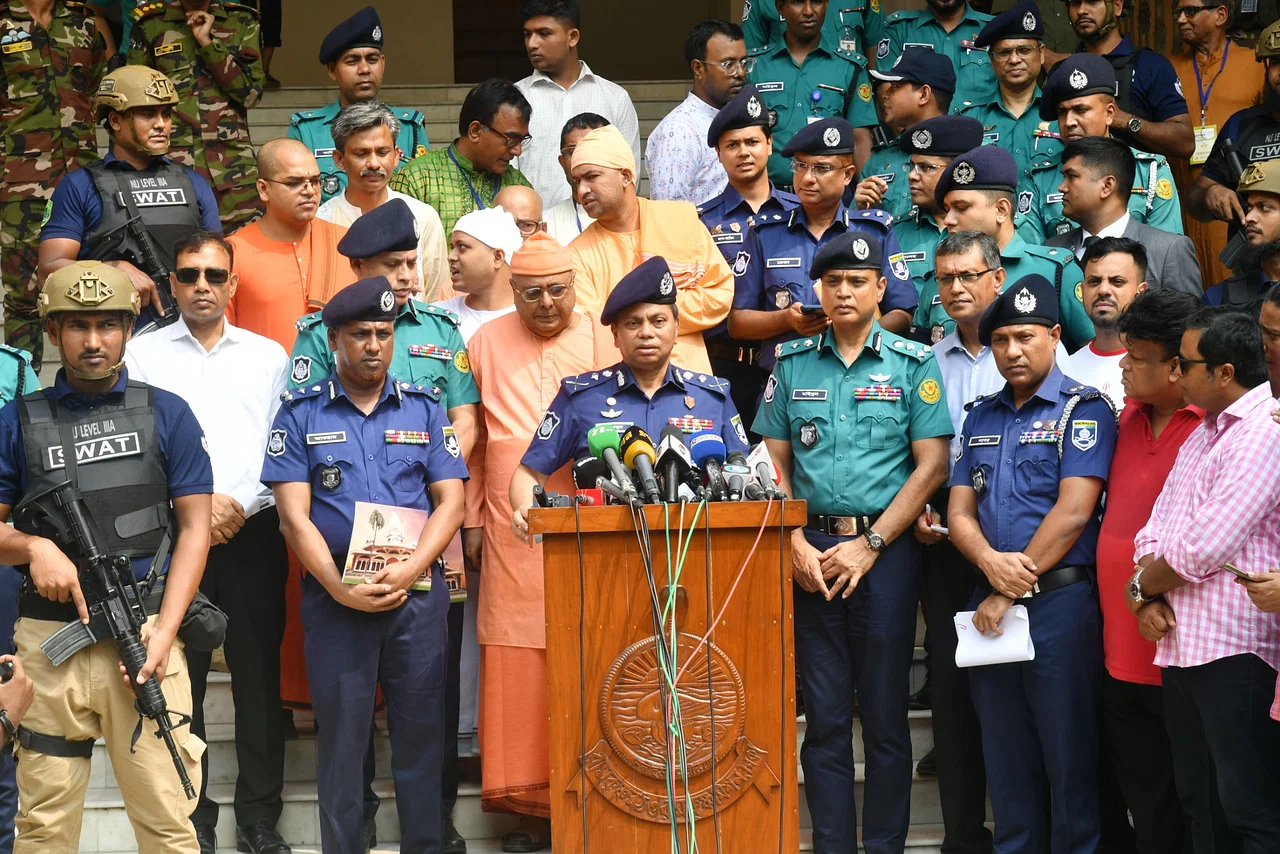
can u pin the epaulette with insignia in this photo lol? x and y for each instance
(302, 115)
(907, 346)
(800, 345)
(979, 399)
(239, 7)
(587, 379)
(146, 10)
(294, 395)
(408, 114)
(756, 51)
(439, 312)
(709, 381)
(874, 214)
(308, 320)
(17, 353)
(428, 391)
(1051, 253)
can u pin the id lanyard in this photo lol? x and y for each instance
(463, 172)
(1205, 94)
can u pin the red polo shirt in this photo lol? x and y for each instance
(1138, 472)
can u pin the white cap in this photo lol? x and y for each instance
(493, 227)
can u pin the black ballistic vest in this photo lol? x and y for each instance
(119, 469)
(1258, 137)
(161, 196)
(1124, 66)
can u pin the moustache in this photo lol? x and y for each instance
(373, 173)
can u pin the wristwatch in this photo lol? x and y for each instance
(876, 541)
(1135, 124)
(9, 728)
(1135, 587)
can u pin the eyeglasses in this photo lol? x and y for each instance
(1189, 11)
(731, 65)
(818, 170)
(296, 184)
(923, 168)
(512, 140)
(556, 292)
(1004, 54)
(212, 275)
(963, 278)
(528, 227)
(1183, 361)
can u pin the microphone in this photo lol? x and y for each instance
(737, 473)
(586, 472)
(602, 440)
(762, 463)
(638, 453)
(708, 451)
(612, 489)
(673, 461)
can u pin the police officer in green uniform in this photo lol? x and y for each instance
(352, 53)
(951, 28)
(429, 349)
(930, 145)
(1080, 95)
(1011, 119)
(884, 183)
(857, 424)
(976, 191)
(851, 23)
(806, 76)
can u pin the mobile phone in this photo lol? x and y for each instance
(940, 529)
(1238, 573)
(811, 309)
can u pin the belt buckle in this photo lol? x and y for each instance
(844, 526)
(1035, 589)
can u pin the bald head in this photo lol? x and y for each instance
(524, 204)
(284, 154)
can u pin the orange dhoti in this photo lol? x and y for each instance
(514, 731)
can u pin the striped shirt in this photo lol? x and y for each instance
(1220, 504)
(447, 181)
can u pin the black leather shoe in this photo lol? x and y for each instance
(370, 834)
(453, 841)
(928, 765)
(208, 838)
(260, 838)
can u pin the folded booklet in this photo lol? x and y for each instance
(974, 649)
(383, 536)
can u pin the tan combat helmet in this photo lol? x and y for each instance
(1268, 43)
(90, 286)
(134, 86)
(1261, 177)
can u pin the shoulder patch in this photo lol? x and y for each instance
(146, 10)
(308, 320)
(800, 345)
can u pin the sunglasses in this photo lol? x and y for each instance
(212, 275)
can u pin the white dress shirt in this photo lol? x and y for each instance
(966, 377)
(566, 220)
(682, 167)
(470, 319)
(1116, 229)
(233, 389)
(433, 248)
(553, 106)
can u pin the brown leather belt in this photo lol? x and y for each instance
(733, 353)
(841, 526)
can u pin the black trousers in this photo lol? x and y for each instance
(957, 737)
(1226, 753)
(1134, 740)
(246, 578)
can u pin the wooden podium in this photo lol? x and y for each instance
(608, 751)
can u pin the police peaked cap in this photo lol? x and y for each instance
(829, 136)
(942, 136)
(1021, 22)
(746, 110)
(390, 227)
(651, 282)
(923, 66)
(367, 300)
(853, 250)
(1031, 299)
(1078, 75)
(983, 168)
(363, 29)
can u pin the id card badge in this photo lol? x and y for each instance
(1206, 136)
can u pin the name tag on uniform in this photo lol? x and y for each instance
(176, 47)
(324, 152)
(728, 237)
(809, 394)
(769, 87)
(17, 47)
(887, 177)
(877, 392)
(773, 263)
(990, 138)
(430, 351)
(915, 256)
(327, 438)
(1053, 199)
(937, 299)
(983, 441)
(407, 437)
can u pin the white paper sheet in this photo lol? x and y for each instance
(974, 649)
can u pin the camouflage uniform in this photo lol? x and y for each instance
(46, 128)
(216, 85)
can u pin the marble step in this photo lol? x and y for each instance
(308, 97)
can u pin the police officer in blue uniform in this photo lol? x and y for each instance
(360, 83)
(771, 296)
(742, 135)
(1025, 508)
(644, 389)
(362, 435)
(856, 421)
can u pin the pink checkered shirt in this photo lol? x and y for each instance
(1220, 504)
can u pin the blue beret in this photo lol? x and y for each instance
(363, 29)
(942, 136)
(390, 227)
(651, 282)
(1078, 75)
(983, 168)
(1021, 22)
(852, 250)
(923, 66)
(746, 110)
(829, 136)
(367, 299)
(1031, 299)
